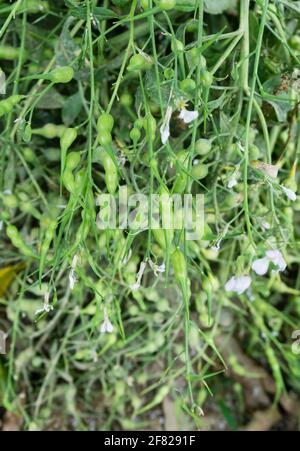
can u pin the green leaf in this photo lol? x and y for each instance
(52, 100)
(282, 107)
(228, 415)
(71, 109)
(98, 12)
(210, 6)
(68, 51)
(219, 6)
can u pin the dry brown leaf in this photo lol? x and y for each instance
(170, 415)
(7, 275)
(256, 389)
(263, 420)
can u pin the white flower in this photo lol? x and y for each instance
(289, 193)
(72, 275)
(19, 121)
(188, 116)
(232, 183)
(157, 269)
(217, 244)
(140, 274)
(46, 307)
(266, 225)
(165, 128)
(106, 326)
(261, 265)
(276, 257)
(238, 284)
(1, 225)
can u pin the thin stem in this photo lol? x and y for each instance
(248, 122)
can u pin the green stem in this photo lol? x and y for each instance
(126, 56)
(248, 123)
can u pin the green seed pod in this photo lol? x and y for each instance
(203, 146)
(154, 107)
(192, 26)
(9, 53)
(29, 155)
(166, 5)
(139, 123)
(73, 160)
(79, 179)
(105, 138)
(139, 62)
(12, 232)
(169, 74)
(105, 123)
(200, 171)
(254, 152)
(135, 135)
(111, 172)
(10, 201)
(149, 125)
(188, 85)
(206, 78)
(69, 181)
(291, 184)
(295, 43)
(197, 59)
(50, 131)
(165, 236)
(145, 4)
(61, 74)
(181, 180)
(37, 6)
(126, 100)
(180, 266)
(18, 242)
(177, 46)
(68, 137)
(6, 105)
(27, 134)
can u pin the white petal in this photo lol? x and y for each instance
(266, 225)
(157, 269)
(109, 327)
(135, 287)
(72, 280)
(276, 257)
(232, 183)
(103, 327)
(242, 284)
(261, 266)
(165, 128)
(289, 193)
(41, 310)
(238, 284)
(231, 285)
(188, 116)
